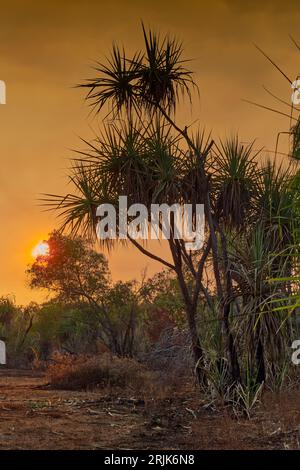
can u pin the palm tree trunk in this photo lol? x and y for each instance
(231, 349)
(191, 311)
(198, 353)
(260, 361)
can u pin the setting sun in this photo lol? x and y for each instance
(41, 249)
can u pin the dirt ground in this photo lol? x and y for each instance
(34, 417)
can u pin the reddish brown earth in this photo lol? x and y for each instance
(34, 417)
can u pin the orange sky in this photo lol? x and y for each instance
(47, 47)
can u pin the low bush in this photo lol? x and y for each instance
(84, 372)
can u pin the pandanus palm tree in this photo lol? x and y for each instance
(263, 251)
(261, 330)
(143, 154)
(280, 189)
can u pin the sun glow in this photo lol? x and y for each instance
(41, 249)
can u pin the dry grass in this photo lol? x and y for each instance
(84, 372)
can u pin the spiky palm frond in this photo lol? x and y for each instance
(77, 210)
(250, 258)
(295, 133)
(118, 157)
(278, 205)
(138, 159)
(154, 78)
(142, 161)
(195, 185)
(162, 73)
(164, 157)
(235, 179)
(115, 83)
(262, 321)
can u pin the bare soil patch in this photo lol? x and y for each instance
(34, 417)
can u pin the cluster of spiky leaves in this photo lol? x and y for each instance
(262, 316)
(270, 232)
(236, 172)
(148, 164)
(153, 78)
(278, 204)
(295, 148)
(136, 154)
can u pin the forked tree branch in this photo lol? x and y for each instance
(151, 255)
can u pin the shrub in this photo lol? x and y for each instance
(82, 372)
(170, 355)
